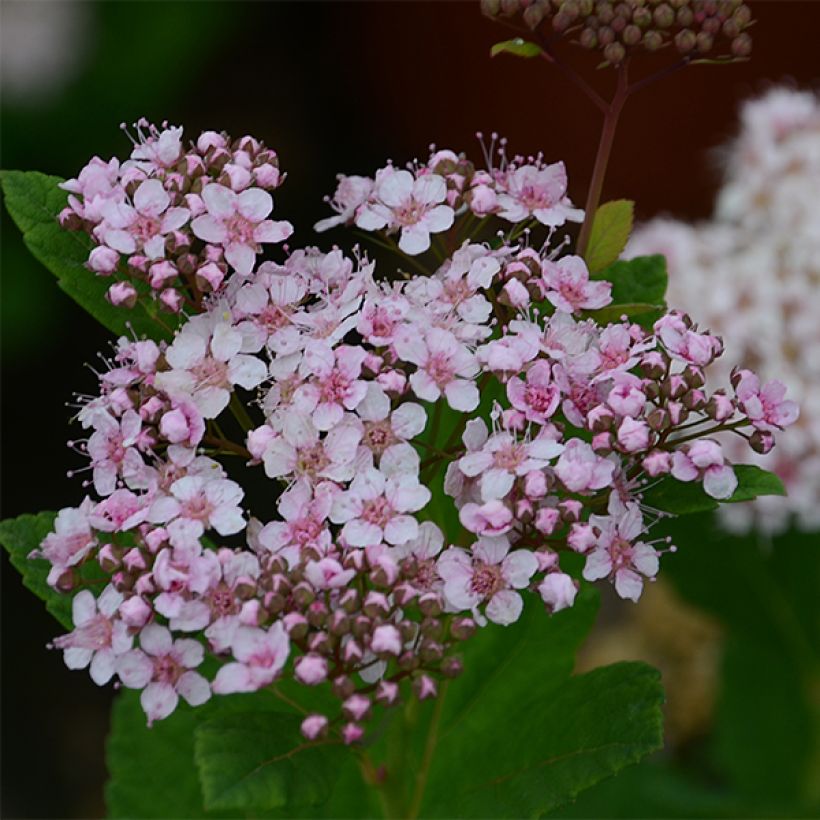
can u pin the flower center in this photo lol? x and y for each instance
(486, 580)
(377, 511)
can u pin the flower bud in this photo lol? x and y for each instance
(452, 667)
(122, 294)
(463, 628)
(310, 669)
(425, 687)
(685, 41)
(387, 693)
(352, 733)
(314, 727)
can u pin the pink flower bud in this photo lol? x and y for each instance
(160, 272)
(135, 612)
(658, 462)
(386, 640)
(633, 435)
(535, 484)
(425, 687)
(387, 693)
(517, 295)
(352, 733)
(171, 300)
(103, 260)
(210, 276)
(266, 175)
(546, 520)
(357, 707)
(581, 538)
(258, 440)
(122, 294)
(314, 726)
(558, 591)
(310, 669)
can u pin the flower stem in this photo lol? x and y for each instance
(427, 758)
(612, 114)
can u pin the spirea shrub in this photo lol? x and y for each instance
(433, 438)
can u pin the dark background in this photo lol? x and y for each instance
(333, 87)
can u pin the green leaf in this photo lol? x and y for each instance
(19, 536)
(518, 736)
(610, 232)
(640, 280)
(151, 771)
(518, 47)
(34, 200)
(530, 760)
(682, 498)
(259, 760)
(679, 497)
(753, 481)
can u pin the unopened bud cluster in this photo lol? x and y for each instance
(354, 392)
(693, 28)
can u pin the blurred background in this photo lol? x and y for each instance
(340, 87)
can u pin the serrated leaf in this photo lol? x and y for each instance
(259, 760)
(517, 46)
(610, 231)
(34, 200)
(529, 761)
(518, 736)
(19, 536)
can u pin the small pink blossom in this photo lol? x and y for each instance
(239, 223)
(538, 191)
(580, 469)
(558, 591)
(568, 287)
(162, 668)
(444, 366)
(539, 396)
(260, 655)
(704, 460)
(617, 554)
(766, 407)
(414, 205)
(490, 573)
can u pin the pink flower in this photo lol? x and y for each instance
(704, 459)
(490, 574)
(567, 286)
(444, 366)
(206, 503)
(492, 518)
(335, 386)
(70, 542)
(400, 201)
(580, 469)
(304, 526)
(386, 640)
(538, 398)
(503, 459)
(384, 429)
(300, 452)
(616, 555)
(260, 655)
(351, 193)
(374, 508)
(206, 362)
(162, 669)
(765, 407)
(684, 344)
(98, 638)
(239, 223)
(142, 227)
(112, 451)
(538, 191)
(327, 573)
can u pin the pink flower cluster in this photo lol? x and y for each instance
(176, 218)
(425, 199)
(353, 392)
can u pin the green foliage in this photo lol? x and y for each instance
(754, 481)
(259, 761)
(763, 756)
(683, 498)
(638, 290)
(19, 536)
(610, 232)
(34, 200)
(517, 47)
